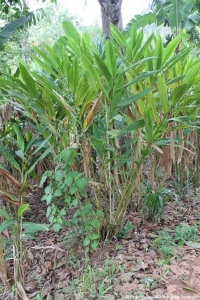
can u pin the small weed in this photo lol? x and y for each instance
(169, 239)
(153, 203)
(118, 246)
(94, 282)
(125, 231)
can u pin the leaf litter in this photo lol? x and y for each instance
(142, 270)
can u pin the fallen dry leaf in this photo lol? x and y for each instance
(192, 244)
(126, 288)
(196, 269)
(178, 270)
(171, 288)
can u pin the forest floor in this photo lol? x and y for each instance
(151, 260)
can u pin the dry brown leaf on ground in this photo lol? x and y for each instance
(48, 288)
(126, 288)
(171, 288)
(193, 244)
(179, 270)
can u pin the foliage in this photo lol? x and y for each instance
(65, 192)
(169, 239)
(179, 15)
(128, 226)
(145, 95)
(10, 28)
(14, 188)
(154, 201)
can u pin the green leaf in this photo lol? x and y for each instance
(111, 58)
(9, 158)
(118, 37)
(68, 181)
(134, 126)
(86, 242)
(81, 183)
(95, 223)
(10, 28)
(75, 202)
(191, 74)
(65, 155)
(178, 93)
(22, 209)
(62, 212)
(158, 53)
(71, 31)
(92, 71)
(73, 190)
(29, 81)
(162, 88)
(100, 213)
(140, 21)
(67, 199)
(94, 245)
(134, 98)
(93, 236)
(4, 213)
(20, 139)
(44, 154)
(103, 69)
(169, 50)
(74, 76)
(56, 227)
(32, 228)
(58, 193)
(7, 224)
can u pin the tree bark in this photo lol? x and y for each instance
(111, 13)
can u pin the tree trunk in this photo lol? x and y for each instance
(111, 13)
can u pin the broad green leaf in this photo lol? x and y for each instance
(44, 154)
(42, 145)
(94, 245)
(7, 224)
(58, 193)
(93, 72)
(118, 37)
(158, 53)
(134, 126)
(68, 181)
(22, 209)
(178, 93)
(162, 88)
(95, 223)
(111, 58)
(86, 242)
(4, 213)
(9, 157)
(191, 74)
(134, 98)
(20, 139)
(74, 76)
(10, 28)
(103, 69)
(81, 183)
(56, 227)
(140, 21)
(169, 50)
(32, 228)
(152, 104)
(142, 76)
(70, 31)
(29, 81)
(121, 163)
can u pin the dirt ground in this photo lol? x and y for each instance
(53, 261)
